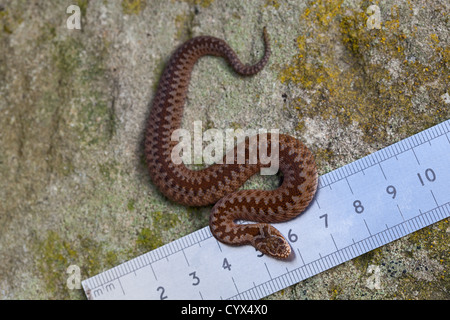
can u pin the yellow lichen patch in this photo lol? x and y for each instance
(324, 12)
(273, 3)
(133, 6)
(334, 292)
(323, 156)
(56, 254)
(434, 38)
(202, 3)
(371, 78)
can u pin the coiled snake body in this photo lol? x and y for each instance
(219, 183)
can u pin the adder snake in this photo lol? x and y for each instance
(219, 183)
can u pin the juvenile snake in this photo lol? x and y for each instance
(219, 183)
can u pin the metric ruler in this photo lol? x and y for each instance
(358, 207)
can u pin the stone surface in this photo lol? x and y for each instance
(74, 188)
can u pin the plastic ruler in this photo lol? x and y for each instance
(358, 207)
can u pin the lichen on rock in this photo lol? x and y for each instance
(74, 187)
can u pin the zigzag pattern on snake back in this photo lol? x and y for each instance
(219, 183)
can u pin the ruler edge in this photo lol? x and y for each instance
(365, 165)
(110, 274)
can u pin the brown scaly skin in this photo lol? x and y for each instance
(219, 183)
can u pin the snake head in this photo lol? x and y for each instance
(271, 242)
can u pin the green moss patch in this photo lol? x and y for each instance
(133, 6)
(378, 83)
(151, 237)
(56, 254)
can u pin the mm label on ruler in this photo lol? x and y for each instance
(358, 207)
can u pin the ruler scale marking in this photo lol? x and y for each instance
(424, 136)
(417, 223)
(377, 157)
(388, 153)
(430, 135)
(363, 231)
(424, 219)
(441, 210)
(410, 143)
